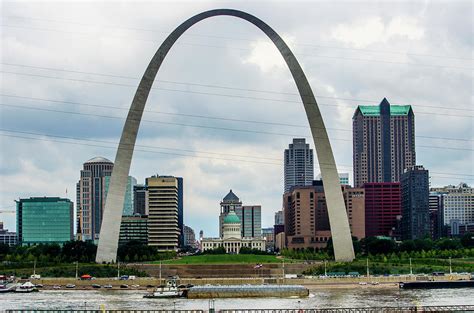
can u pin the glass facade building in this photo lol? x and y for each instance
(44, 220)
(133, 228)
(250, 220)
(129, 194)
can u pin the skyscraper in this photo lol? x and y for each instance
(162, 198)
(383, 142)
(44, 220)
(90, 197)
(230, 203)
(415, 203)
(298, 165)
(250, 220)
(139, 199)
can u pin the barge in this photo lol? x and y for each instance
(246, 291)
(437, 284)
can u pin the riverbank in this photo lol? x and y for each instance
(309, 282)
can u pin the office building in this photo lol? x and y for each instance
(180, 211)
(232, 239)
(44, 220)
(189, 237)
(343, 178)
(139, 200)
(134, 228)
(7, 237)
(279, 217)
(383, 142)
(129, 194)
(415, 203)
(383, 204)
(250, 217)
(162, 207)
(437, 229)
(298, 164)
(90, 197)
(306, 215)
(458, 203)
(230, 203)
(269, 236)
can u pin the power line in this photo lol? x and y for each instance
(200, 92)
(212, 85)
(209, 127)
(240, 39)
(246, 49)
(208, 117)
(184, 155)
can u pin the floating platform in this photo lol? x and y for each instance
(246, 291)
(437, 284)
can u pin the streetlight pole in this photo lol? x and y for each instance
(77, 269)
(411, 269)
(325, 269)
(450, 267)
(368, 274)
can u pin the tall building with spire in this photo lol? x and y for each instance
(383, 142)
(298, 166)
(90, 197)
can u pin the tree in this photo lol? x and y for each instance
(467, 240)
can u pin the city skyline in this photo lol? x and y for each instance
(256, 183)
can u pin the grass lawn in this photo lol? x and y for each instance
(227, 259)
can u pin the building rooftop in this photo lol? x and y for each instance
(231, 197)
(231, 218)
(374, 110)
(99, 159)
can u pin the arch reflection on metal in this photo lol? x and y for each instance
(339, 223)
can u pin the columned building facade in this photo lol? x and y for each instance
(231, 239)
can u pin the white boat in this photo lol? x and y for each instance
(164, 292)
(26, 287)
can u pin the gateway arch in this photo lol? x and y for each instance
(112, 216)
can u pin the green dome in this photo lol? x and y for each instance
(231, 218)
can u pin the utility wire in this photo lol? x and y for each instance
(211, 127)
(184, 155)
(246, 49)
(207, 117)
(215, 86)
(239, 39)
(200, 92)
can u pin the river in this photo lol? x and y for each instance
(319, 298)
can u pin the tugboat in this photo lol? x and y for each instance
(170, 290)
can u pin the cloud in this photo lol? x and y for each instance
(368, 31)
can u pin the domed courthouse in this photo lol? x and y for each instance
(232, 239)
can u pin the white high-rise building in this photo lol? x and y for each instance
(458, 203)
(298, 164)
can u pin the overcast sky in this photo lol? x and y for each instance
(81, 56)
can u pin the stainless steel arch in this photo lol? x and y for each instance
(109, 234)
